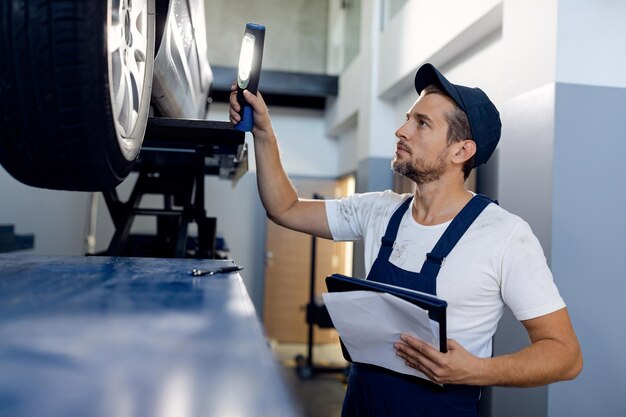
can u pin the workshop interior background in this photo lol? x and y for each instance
(556, 69)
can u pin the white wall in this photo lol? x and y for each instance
(341, 111)
(480, 65)
(56, 218)
(589, 243)
(427, 31)
(348, 142)
(305, 148)
(587, 51)
(529, 32)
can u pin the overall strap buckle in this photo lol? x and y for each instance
(436, 259)
(388, 242)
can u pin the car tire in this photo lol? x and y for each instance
(75, 89)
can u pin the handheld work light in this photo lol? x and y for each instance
(249, 71)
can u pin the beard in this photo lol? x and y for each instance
(418, 171)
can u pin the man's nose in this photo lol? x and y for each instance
(400, 132)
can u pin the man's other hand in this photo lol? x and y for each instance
(457, 366)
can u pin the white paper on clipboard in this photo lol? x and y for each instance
(369, 324)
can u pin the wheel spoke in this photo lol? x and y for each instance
(120, 94)
(138, 8)
(125, 114)
(137, 69)
(135, 78)
(116, 12)
(115, 40)
(117, 81)
(138, 28)
(140, 41)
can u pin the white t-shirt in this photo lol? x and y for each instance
(498, 261)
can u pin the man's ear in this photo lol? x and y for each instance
(464, 150)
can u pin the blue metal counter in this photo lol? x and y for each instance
(117, 337)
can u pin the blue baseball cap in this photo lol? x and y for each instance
(484, 118)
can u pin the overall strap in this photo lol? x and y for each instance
(391, 232)
(453, 234)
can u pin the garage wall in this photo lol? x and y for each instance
(590, 38)
(589, 241)
(56, 218)
(347, 143)
(427, 31)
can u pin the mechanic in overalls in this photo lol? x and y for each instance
(443, 240)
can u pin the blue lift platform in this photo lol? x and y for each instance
(109, 336)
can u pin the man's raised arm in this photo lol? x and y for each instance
(277, 193)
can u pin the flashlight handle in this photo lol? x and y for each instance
(247, 117)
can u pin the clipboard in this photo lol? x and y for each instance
(436, 307)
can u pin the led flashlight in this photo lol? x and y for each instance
(249, 71)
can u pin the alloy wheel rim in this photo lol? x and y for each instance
(127, 52)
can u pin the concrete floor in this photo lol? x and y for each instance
(322, 395)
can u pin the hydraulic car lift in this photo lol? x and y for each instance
(176, 155)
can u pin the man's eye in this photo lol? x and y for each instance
(422, 123)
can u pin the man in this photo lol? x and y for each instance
(442, 240)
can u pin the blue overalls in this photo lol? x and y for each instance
(375, 391)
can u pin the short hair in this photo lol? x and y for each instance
(458, 126)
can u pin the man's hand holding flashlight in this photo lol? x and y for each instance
(262, 124)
